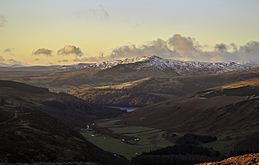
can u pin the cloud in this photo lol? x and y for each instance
(155, 47)
(249, 53)
(97, 13)
(3, 21)
(100, 12)
(234, 47)
(221, 48)
(43, 51)
(177, 47)
(14, 62)
(182, 44)
(70, 50)
(9, 51)
(184, 48)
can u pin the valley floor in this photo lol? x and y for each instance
(128, 141)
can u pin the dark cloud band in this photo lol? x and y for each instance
(43, 51)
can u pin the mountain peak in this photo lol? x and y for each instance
(180, 67)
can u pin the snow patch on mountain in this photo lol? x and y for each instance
(110, 64)
(180, 67)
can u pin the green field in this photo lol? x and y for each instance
(127, 141)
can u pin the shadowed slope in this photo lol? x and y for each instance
(33, 130)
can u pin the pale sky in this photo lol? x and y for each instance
(97, 26)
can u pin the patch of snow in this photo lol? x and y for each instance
(180, 67)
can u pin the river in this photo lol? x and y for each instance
(128, 109)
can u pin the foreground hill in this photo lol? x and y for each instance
(38, 126)
(238, 160)
(69, 109)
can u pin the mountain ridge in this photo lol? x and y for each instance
(180, 67)
(146, 62)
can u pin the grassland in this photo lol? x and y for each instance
(128, 141)
(240, 84)
(126, 85)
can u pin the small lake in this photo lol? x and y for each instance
(127, 109)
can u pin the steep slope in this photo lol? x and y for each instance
(37, 126)
(69, 109)
(29, 135)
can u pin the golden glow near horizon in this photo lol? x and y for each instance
(99, 26)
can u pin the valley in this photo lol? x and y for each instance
(128, 141)
(132, 111)
(132, 82)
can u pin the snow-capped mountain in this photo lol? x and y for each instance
(146, 63)
(110, 64)
(180, 67)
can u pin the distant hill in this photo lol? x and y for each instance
(155, 63)
(66, 77)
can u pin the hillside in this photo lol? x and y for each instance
(150, 90)
(39, 126)
(238, 160)
(123, 94)
(231, 115)
(69, 109)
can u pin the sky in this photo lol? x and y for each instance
(45, 32)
